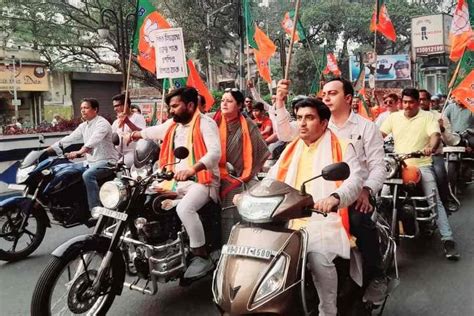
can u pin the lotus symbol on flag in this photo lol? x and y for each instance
(150, 27)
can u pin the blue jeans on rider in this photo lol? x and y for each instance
(92, 174)
(428, 182)
(441, 178)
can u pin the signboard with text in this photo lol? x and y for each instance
(170, 53)
(388, 67)
(430, 34)
(25, 78)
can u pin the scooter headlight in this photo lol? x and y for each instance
(22, 174)
(257, 209)
(391, 166)
(112, 194)
(273, 281)
(218, 279)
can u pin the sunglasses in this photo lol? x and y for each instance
(388, 102)
(231, 89)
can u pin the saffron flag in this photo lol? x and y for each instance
(263, 52)
(332, 65)
(359, 86)
(464, 92)
(249, 24)
(461, 34)
(287, 25)
(195, 81)
(381, 21)
(147, 21)
(262, 65)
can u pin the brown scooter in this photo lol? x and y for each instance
(262, 268)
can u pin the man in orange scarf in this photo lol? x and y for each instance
(197, 132)
(314, 148)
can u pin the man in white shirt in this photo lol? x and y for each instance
(96, 133)
(368, 142)
(200, 135)
(126, 123)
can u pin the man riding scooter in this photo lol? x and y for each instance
(314, 148)
(200, 135)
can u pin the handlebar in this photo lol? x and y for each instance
(319, 212)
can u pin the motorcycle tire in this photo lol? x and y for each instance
(42, 300)
(7, 221)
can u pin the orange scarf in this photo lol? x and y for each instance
(195, 140)
(336, 157)
(247, 155)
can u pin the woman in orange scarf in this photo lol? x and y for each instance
(242, 145)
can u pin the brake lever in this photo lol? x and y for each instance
(319, 212)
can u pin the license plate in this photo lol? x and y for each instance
(109, 213)
(17, 187)
(245, 251)
(453, 149)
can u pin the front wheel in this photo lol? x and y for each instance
(20, 234)
(65, 286)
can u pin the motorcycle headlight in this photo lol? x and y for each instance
(22, 174)
(112, 194)
(257, 209)
(273, 281)
(139, 172)
(391, 166)
(218, 279)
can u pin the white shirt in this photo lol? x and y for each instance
(210, 133)
(128, 150)
(363, 133)
(97, 135)
(381, 118)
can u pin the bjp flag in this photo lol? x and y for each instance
(464, 92)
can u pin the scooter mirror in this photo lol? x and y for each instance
(336, 172)
(41, 139)
(115, 139)
(181, 152)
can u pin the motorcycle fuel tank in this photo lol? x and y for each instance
(65, 175)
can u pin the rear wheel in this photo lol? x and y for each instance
(65, 286)
(19, 235)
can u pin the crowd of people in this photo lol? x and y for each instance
(317, 131)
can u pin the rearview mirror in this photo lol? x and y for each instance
(336, 172)
(181, 152)
(115, 139)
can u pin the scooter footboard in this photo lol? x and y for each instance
(259, 270)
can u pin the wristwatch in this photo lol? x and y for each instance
(336, 196)
(371, 193)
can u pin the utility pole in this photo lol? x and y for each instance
(241, 48)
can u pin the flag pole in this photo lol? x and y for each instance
(453, 79)
(125, 108)
(162, 101)
(293, 32)
(248, 59)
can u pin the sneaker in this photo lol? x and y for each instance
(198, 268)
(376, 292)
(450, 250)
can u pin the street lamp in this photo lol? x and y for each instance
(208, 46)
(281, 43)
(122, 23)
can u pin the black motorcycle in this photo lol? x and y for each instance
(146, 241)
(51, 185)
(459, 160)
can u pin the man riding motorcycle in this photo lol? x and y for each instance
(314, 148)
(200, 135)
(368, 143)
(417, 130)
(96, 133)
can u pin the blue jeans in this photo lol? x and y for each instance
(428, 182)
(90, 177)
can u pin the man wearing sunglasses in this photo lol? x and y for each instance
(390, 101)
(126, 122)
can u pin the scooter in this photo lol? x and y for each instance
(459, 160)
(262, 268)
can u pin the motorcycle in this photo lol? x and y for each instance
(405, 205)
(146, 241)
(51, 185)
(263, 267)
(459, 161)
